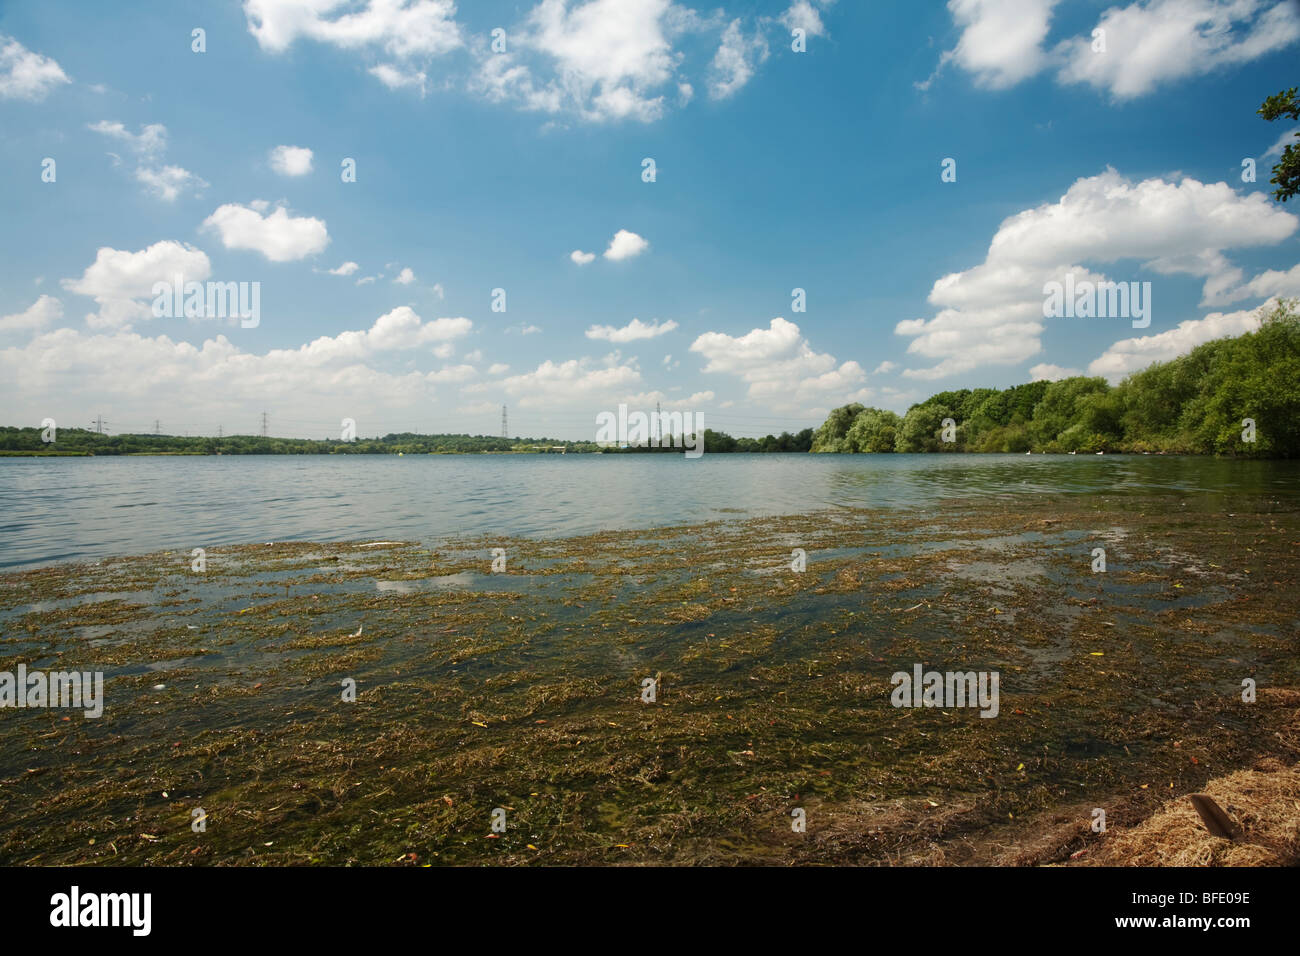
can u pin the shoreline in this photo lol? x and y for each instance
(522, 690)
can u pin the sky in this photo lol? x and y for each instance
(755, 212)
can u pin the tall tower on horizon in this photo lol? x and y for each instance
(504, 432)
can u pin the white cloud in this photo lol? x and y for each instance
(636, 329)
(455, 373)
(167, 182)
(217, 379)
(780, 367)
(557, 384)
(498, 368)
(1147, 43)
(992, 313)
(1132, 355)
(1152, 43)
(402, 28)
(734, 64)
(405, 277)
(1001, 40)
(1290, 137)
(396, 78)
(118, 280)
(803, 15)
(582, 258)
(402, 328)
(366, 280)
(609, 60)
(149, 143)
(1267, 284)
(278, 236)
(344, 270)
(1046, 372)
(291, 160)
(46, 310)
(25, 75)
(625, 245)
(884, 368)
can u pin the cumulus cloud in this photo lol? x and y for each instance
(1001, 40)
(405, 277)
(884, 368)
(804, 15)
(625, 245)
(344, 270)
(1133, 355)
(453, 373)
(992, 313)
(1046, 372)
(291, 160)
(604, 60)
(564, 384)
(1272, 282)
(610, 60)
(278, 236)
(119, 281)
(636, 329)
(582, 258)
(401, 28)
(46, 310)
(25, 75)
(141, 374)
(1148, 43)
(1152, 43)
(780, 367)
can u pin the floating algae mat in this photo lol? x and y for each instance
(679, 696)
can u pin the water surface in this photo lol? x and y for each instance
(61, 509)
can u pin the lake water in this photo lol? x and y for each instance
(63, 509)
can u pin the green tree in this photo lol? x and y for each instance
(921, 427)
(1286, 174)
(830, 437)
(874, 430)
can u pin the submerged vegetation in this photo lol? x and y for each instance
(523, 691)
(1195, 404)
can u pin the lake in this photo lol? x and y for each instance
(65, 509)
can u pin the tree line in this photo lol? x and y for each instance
(1234, 396)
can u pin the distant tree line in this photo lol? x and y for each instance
(1195, 404)
(79, 441)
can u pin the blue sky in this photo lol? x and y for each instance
(480, 170)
